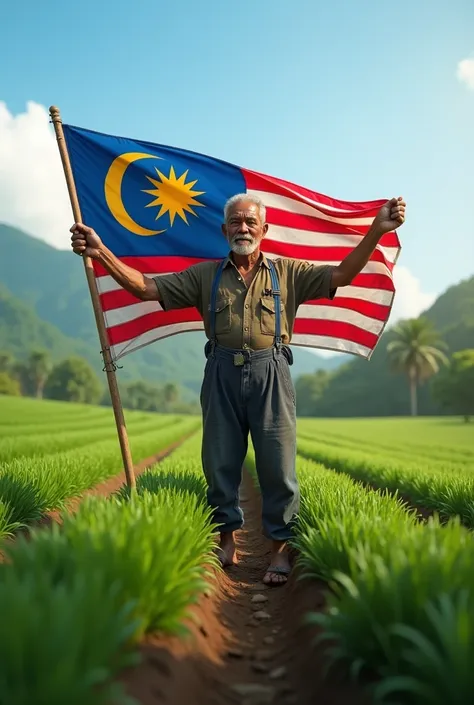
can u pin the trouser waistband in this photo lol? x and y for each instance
(249, 356)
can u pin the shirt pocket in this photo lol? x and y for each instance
(223, 314)
(268, 315)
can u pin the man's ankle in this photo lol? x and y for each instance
(279, 547)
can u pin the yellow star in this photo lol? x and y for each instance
(173, 195)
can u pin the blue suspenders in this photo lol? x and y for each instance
(276, 297)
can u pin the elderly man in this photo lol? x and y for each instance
(248, 304)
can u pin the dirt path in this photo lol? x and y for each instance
(247, 645)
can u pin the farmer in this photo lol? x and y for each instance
(248, 304)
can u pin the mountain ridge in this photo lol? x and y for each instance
(53, 287)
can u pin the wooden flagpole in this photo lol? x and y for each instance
(109, 365)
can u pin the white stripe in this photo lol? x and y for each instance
(375, 296)
(106, 283)
(342, 315)
(140, 341)
(370, 267)
(307, 207)
(125, 314)
(328, 343)
(117, 316)
(295, 236)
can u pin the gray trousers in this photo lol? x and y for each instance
(257, 397)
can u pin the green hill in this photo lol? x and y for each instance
(51, 284)
(21, 330)
(370, 388)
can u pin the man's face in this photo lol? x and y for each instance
(244, 229)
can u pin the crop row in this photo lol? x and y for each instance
(426, 439)
(401, 608)
(39, 444)
(449, 492)
(442, 459)
(31, 487)
(116, 570)
(23, 410)
(45, 426)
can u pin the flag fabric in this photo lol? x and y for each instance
(159, 209)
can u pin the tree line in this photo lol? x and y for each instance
(73, 379)
(418, 352)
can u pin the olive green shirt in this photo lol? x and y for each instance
(245, 317)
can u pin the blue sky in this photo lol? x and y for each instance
(359, 100)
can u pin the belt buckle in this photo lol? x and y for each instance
(239, 359)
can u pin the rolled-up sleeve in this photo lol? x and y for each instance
(179, 289)
(313, 281)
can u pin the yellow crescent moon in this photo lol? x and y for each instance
(113, 191)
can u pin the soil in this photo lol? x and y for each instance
(247, 643)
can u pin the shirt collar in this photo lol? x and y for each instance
(263, 262)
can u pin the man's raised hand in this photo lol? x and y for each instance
(85, 241)
(391, 216)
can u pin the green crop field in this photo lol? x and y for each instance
(52, 451)
(401, 603)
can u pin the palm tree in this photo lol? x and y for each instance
(417, 352)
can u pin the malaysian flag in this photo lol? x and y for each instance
(159, 209)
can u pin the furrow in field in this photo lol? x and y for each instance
(403, 585)
(449, 493)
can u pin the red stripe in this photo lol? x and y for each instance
(319, 254)
(374, 281)
(366, 308)
(133, 329)
(335, 329)
(149, 265)
(261, 182)
(308, 223)
(118, 298)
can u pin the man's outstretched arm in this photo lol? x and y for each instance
(85, 241)
(389, 217)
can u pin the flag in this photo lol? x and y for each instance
(159, 209)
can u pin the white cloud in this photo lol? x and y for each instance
(410, 300)
(465, 72)
(33, 193)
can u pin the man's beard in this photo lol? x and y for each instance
(243, 248)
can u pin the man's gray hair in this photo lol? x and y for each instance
(239, 197)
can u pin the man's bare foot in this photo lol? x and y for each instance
(279, 568)
(226, 550)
